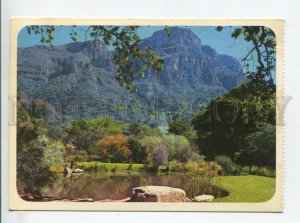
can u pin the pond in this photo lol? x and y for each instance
(118, 185)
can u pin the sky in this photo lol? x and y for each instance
(222, 42)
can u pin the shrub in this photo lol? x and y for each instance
(138, 152)
(228, 167)
(151, 142)
(202, 176)
(114, 148)
(178, 127)
(160, 155)
(175, 166)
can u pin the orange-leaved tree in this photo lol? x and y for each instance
(113, 148)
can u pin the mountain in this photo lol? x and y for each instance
(77, 86)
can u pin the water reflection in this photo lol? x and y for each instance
(115, 186)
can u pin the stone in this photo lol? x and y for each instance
(157, 194)
(204, 198)
(78, 171)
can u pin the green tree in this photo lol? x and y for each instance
(84, 133)
(262, 148)
(138, 152)
(33, 171)
(142, 130)
(179, 127)
(222, 128)
(129, 57)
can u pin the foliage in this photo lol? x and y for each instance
(84, 133)
(142, 130)
(130, 59)
(176, 166)
(179, 147)
(222, 128)
(114, 148)
(138, 152)
(202, 175)
(151, 142)
(263, 40)
(159, 156)
(33, 171)
(37, 108)
(262, 148)
(179, 127)
(52, 150)
(228, 166)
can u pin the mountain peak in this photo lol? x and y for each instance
(178, 36)
(90, 48)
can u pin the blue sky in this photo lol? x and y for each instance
(222, 42)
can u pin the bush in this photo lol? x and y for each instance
(202, 176)
(228, 167)
(114, 148)
(175, 166)
(262, 171)
(160, 155)
(138, 152)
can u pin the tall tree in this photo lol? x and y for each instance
(223, 127)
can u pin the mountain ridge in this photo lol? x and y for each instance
(192, 72)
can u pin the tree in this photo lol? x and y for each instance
(159, 156)
(222, 127)
(142, 130)
(114, 148)
(138, 152)
(262, 147)
(129, 57)
(33, 171)
(179, 127)
(263, 42)
(84, 133)
(228, 166)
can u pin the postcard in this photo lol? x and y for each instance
(146, 115)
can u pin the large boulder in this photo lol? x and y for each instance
(204, 198)
(157, 194)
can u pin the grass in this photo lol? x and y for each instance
(109, 166)
(57, 168)
(247, 188)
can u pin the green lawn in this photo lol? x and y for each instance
(247, 188)
(110, 166)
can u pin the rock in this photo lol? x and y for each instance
(187, 200)
(204, 198)
(78, 171)
(157, 194)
